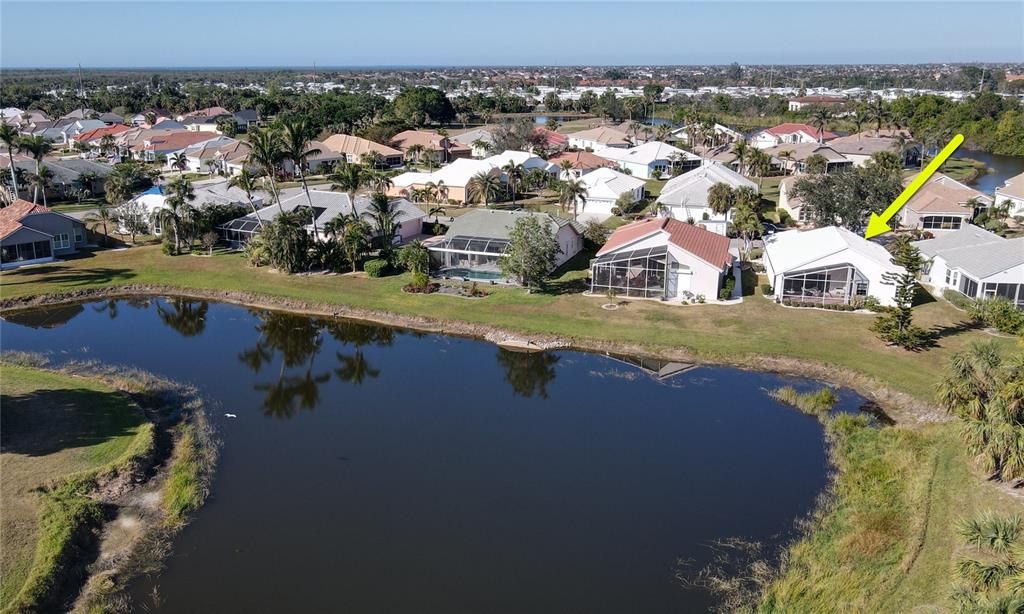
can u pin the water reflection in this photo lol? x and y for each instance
(529, 373)
(183, 315)
(51, 317)
(111, 306)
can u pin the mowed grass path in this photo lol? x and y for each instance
(54, 426)
(712, 332)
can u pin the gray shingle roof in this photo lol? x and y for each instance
(496, 224)
(975, 251)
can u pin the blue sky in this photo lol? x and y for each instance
(287, 33)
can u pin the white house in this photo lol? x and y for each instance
(208, 192)
(455, 177)
(942, 204)
(604, 187)
(643, 160)
(661, 258)
(600, 138)
(789, 133)
(976, 263)
(686, 196)
(523, 158)
(792, 204)
(1012, 191)
(827, 266)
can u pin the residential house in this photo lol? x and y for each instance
(551, 141)
(153, 144)
(793, 204)
(33, 234)
(661, 258)
(652, 158)
(210, 192)
(246, 119)
(207, 112)
(802, 102)
(604, 188)
(859, 148)
(443, 149)
(93, 139)
(354, 148)
(69, 176)
(480, 140)
(1012, 192)
(142, 119)
(686, 196)
(600, 138)
(792, 157)
(720, 135)
(110, 119)
(828, 266)
(476, 240)
(975, 262)
(326, 206)
(789, 133)
(942, 204)
(211, 155)
(456, 177)
(582, 162)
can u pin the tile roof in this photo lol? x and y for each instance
(647, 153)
(794, 249)
(603, 135)
(710, 247)
(864, 144)
(11, 215)
(99, 133)
(790, 128)
(357, 146)
(1014, 187)
(428, 139)
(173, 140)
(802, 151)
(943, 194)
(581, 160)
(691, 188)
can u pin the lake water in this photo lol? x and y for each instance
(1001, 168)
(377, 470)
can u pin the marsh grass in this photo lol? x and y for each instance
(817, 403)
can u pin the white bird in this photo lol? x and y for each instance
(230, 416)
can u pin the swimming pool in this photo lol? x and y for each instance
(471, 274)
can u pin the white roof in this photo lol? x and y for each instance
(459, 172)
(410, 178)
(330, 204)
(525, 158)
(646, 153)
(691, 188)
(794, 250)
(976, 251)
(609, 183)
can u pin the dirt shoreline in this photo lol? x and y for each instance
(900, 407)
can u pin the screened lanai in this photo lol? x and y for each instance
(638, 273)
(834, 285)
(470, 257)
(238, 232)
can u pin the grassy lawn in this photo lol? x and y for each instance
(714, 332)
(964, 170)
(54, 426)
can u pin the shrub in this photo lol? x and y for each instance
(167, 249)
(616, 211)
(701, 299)
(871, 304)
(815, 403)
(999, 313)
(755, 253)
(595, 233)
(420, 279)
(725, 293)
(375, 267)
(766, 289)
(958, 299)
(784, 217)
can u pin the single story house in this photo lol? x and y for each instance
(444, 149)
(455, 177)
(142, 119)
(525, 159)
(604, 188)
(326, 207)
(942, 204)
(207, 112)
(661, 258)
(476, 240)
(94, 138)
(354, 148)
(154, 144)
(69, 175)
(110, 118)
(551, 140)
(33, 234)
(207, 192)
(480, 140)
(600, 138)
(975, 262)
(792, 157)
(790, 133)
(645, 160)
(211, 155)
(582, 163)
(828, 266)
(858, 148)
(791, 204)
(1013, 192)
(686, 196)
(246, 119)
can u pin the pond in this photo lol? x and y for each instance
(376, 469)
(1000, 168)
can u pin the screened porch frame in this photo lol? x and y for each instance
(639, 273)
(824, 285)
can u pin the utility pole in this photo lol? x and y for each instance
(81, 84)
(981, 82)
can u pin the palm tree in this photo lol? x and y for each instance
(572, 192)
(246, 182)
(858, 118)
(180, 162)
(720, 198)
(348, 179)
(297, 149)
(663, 131)
(104, 214)
(760, 164)
(378, 181)
(37, 147)
(997, 577)
(415, 151)
(9, 137)
(266, 153)
(878, 112)
(820, 119)
(484, 187)
(515, 173)
(567, 168)
(786, 155)
(537, 178)
(177, 209)
(384, 214)
(436, 211)
(354, 240)
(41, 180)
(742, 150)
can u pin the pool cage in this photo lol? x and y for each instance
(468, 255)
(237, 232)
(638, 273)
(836, 285)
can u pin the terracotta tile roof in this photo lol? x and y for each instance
(554, 139)
(708, 246)
(943, 194)
(11, 215)
(429, 140)
(356, 146)
(207, 112)
(99, 133)
(173, 141)
(790, 128)
(582, 160)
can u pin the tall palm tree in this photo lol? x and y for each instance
(266, 153)
(742, 151)
(40, 180)
(878, 112)
(820, 119)
(415, 151)
(384, 214)
(246, 182)
(348, 178)
(177, 209)
(9, 137)
(297, 148)
(572, 192)
(786, 155)
(760, 164)
(484, 187)
(103, 215)
(567, 168)
(515, 173)
(180, 162)
(436, 211)
(720, 198)
(37, 147)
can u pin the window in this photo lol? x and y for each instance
(805, 214)
(1011, 292)
(61, 241)
(968, 287)
(79, 235)
(941, 222)
(952, 277)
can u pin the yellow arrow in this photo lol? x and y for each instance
(879, 223)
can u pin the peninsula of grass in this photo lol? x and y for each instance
(737, 334)
(61, 433)
(817, 403)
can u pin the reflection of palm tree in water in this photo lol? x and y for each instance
(297, 339)
(354, 367)
(110, 306)
(528, 373)
(187, 317)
